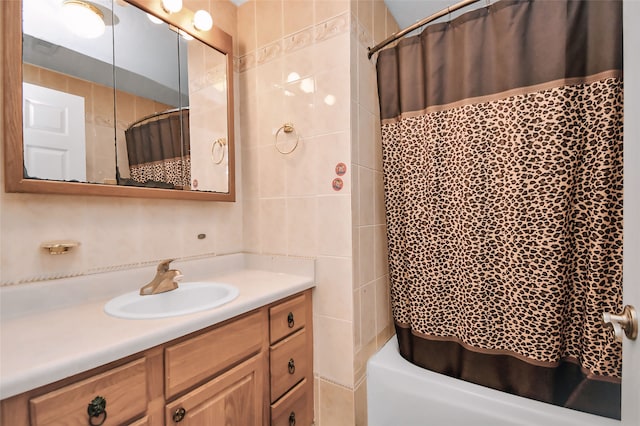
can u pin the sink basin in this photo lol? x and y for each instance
(188, 298)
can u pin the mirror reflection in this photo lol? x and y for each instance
(135, 103)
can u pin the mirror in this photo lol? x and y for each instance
(143, 110)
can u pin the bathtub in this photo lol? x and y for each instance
(402, 394)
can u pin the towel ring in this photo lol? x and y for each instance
(222, 142)
(287, 128)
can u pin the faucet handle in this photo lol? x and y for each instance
(164, 265)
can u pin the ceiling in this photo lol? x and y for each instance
(408, 12)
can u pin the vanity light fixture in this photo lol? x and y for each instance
(172, 6)
(202, 20)
(83, 19)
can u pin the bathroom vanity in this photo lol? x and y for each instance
(252, 365)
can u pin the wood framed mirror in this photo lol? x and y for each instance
(183, 108)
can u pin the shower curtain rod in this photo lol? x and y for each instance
(157, 114)
(419, 24)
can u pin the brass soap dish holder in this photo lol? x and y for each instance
(60, 246)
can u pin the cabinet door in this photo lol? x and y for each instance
(233, 398)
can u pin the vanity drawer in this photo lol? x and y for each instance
(289, 363)
(287, 317)
(195, 360)
(293, 409)
(124, 389)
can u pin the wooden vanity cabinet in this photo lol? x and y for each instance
(238, 372)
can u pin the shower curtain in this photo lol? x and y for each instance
(158, 151)
(502, 161)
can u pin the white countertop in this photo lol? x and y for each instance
(47, 344)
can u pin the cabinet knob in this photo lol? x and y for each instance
(179, 414)
(292, 419)
(97, 411)
(292, 366)
(290, 320)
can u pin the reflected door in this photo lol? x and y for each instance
(54, 134)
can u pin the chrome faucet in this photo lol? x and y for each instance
(165, 280)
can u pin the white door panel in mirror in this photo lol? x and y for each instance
(54, 143)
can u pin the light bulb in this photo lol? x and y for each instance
(83, 19)
(202, 20)
(172, 6)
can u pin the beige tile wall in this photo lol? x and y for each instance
(295, 68)
(304, 61)
(372, 313)
(114, 232)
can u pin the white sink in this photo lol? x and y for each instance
(188, 298)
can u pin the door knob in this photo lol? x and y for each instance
(626, 322)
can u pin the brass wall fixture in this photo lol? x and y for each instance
(287, 128)
(59, 246)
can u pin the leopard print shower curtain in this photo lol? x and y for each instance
(502, 158)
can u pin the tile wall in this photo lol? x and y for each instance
(114, 233)
(373, 325)
(305, 62)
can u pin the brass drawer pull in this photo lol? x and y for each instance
(292, 419)
(97, 410)
(179, 414)
(292, 366)
(290, 321)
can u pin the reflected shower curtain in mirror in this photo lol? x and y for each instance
(157, 154)
(502, 160)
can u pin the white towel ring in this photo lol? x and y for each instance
(287, 128)
(222, 142)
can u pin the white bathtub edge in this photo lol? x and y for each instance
(400, 393)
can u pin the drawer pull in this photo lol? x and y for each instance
(179, 414)
(292, 419)
(97, 411)
(290, 321)
(292, 366)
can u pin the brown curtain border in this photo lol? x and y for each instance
(506, 94)
(564, 386)
(494, 49)
(516, 355)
